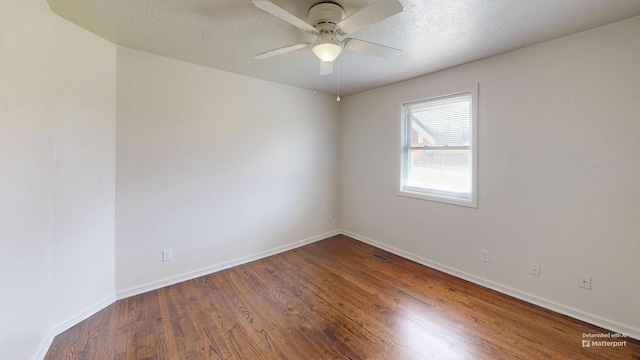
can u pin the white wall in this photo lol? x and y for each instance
(559, 168)
(84, 184)
(57, 151)
(221, 168)
(26, 177)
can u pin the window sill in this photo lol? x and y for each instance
(439, 198)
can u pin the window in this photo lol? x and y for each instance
(438, 159)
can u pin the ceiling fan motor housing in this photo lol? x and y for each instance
(324, 14)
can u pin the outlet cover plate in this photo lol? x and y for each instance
(167, 255)
(485, 256)
(584, 282)
(534, 269)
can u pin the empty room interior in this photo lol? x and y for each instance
(354, 179)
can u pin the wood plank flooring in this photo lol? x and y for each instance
(330, 300)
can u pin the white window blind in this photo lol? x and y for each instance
(438, 148)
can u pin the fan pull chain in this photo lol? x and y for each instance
(338, 63)
(315, 78)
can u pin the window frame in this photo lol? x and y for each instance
(404, 147)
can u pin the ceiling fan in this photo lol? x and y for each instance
(327, 21)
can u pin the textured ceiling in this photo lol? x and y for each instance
(433, 34)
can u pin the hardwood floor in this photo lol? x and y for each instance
(330, 300)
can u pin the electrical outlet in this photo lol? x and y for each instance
(534, 269)
(485, 256)
(167, 255)
(584, 282)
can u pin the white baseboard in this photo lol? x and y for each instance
(154, 285)
(610, 325)
(44, 346)
(70, 322)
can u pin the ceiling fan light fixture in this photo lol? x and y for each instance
(327, 52)
(327, 47)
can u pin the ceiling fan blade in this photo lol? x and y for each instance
(283, 14)
(326, 67)
(379, 10)
(280, 51)
(372, 48)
